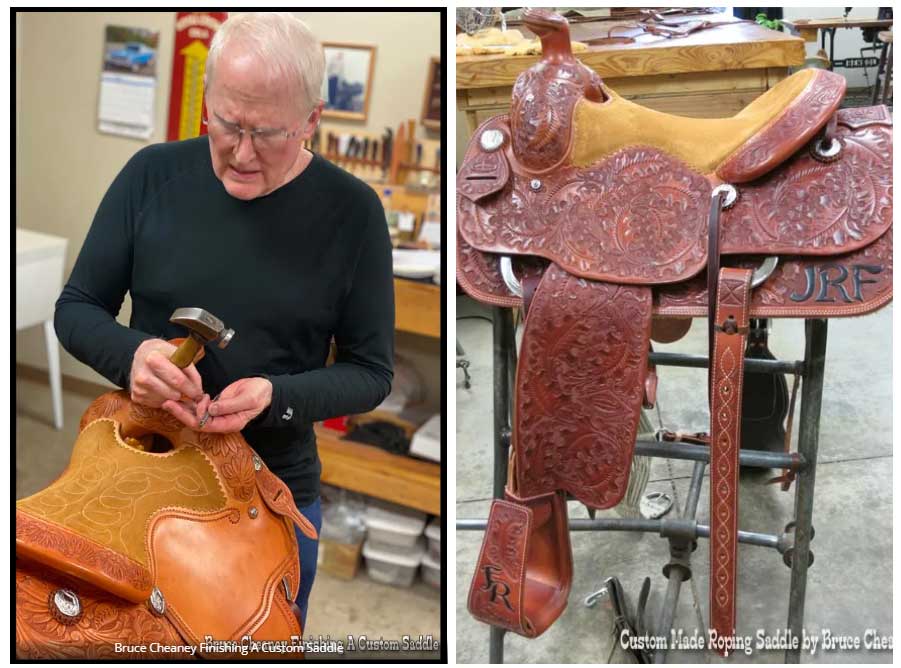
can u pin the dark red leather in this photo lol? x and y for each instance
(620, 242)
(579, 388)
(524, 572)
(801, 121)
(543, 100)
(726, 375)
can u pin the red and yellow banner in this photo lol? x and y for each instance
(193, 34)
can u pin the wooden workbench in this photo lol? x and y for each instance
(808, 29)
(710, 73)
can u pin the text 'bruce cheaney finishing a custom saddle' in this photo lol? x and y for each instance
(599, 218)
(181, 517)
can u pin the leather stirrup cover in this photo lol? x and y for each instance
(524, 572)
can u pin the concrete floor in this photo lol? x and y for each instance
(850, 585)
(337, 608)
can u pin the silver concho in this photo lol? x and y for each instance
(731, 194)
(535, 184)
(253, 512)
(157, 602)
(491, 140)
(257, 463)
(66, 606)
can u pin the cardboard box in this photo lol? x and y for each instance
(341, 560)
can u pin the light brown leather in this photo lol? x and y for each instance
(206, 523)
(705, 144)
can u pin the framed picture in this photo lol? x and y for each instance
(431, 104)
(347, 85)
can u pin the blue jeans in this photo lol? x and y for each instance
(309, 553)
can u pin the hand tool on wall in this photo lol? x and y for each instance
(363, 157)
(374, 156)
(387, 147)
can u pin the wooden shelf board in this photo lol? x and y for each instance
(372, 471)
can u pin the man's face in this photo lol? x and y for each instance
(245, 93)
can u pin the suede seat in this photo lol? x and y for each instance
(737, 149)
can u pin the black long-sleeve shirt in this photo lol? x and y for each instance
(287, 272)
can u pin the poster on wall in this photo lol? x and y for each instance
(128, 81)
(347, 86)
(193, 34)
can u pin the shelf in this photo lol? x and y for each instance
(417, 307)
(413, 483)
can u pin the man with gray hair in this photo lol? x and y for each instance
(288, 249)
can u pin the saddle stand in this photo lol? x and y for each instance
(600, 218)
(684, 531)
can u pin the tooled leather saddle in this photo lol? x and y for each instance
(163, 539)
(611, 224)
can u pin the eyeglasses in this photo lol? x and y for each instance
(263, 139)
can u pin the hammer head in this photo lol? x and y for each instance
(203, 325)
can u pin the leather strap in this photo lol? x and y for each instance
(733, 299)
(713, 267)
(524, 572)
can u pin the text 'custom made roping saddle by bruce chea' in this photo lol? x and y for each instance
(163, 538)
(599, 217)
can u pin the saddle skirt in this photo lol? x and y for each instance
(609, 216)
(188, 545)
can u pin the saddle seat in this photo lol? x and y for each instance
(199, 523)
(737, 149)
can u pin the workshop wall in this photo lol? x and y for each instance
(64, 165)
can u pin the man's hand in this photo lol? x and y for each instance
(238, 404)
(155, 380)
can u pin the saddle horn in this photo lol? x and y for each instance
(545, 95)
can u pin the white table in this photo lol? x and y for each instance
(40, 259)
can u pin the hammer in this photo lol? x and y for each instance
(203, 327)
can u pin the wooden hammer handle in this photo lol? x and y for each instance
(186, 352)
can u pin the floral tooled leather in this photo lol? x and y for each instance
(788, 132)
(806, 207)
(637, 217)
(579, 387)
(105, 620)
(93, 523)
(544, 95)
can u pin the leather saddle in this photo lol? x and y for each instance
(608, 223)
(164, 539)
